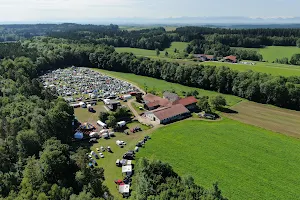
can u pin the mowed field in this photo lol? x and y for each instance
(246, 161)
(269, 117)
(151, 53)
(270, 53)
(160, 85)
(264, 67)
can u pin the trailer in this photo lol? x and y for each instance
(102, 124)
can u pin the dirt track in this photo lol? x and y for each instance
(268, 117)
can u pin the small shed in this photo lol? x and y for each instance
(127, 169)
(124, 190)
(121, 124)
(78, 135)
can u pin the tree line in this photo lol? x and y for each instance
(255, 86)
(157, 180)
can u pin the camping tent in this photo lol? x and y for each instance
(127, 169)
(124, 189)
(87, 126)
(78, 135)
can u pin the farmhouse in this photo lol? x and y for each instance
(170, 96)
(152, 102)
(231, 59)
(168, 114)
(204, 57)
(188, 102)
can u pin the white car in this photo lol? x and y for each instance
(89, 156)
(101, 155)
(102, 148)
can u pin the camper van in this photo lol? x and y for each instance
(102, 124)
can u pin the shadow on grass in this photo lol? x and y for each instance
(227, 110)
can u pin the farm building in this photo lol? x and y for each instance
(204, 57)
(152, 102)
(168, 114)
(170, 96)
(188, 102)
(231, 59)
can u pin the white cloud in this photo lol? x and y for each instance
(22, 10)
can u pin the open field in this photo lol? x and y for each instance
(264, 67)
(268, 117)
(270, 53)
(269, 68)
(144, 52)
(248, 162)
(160, 85)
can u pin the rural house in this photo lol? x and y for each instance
(204, 57)
(168, 114)
(152, 102)
(170, 96)
(188, 102)
(231, 59)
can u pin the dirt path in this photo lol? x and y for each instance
(141, 119)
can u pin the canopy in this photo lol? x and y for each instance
(87, 126)
(124, 188)
(78, 135)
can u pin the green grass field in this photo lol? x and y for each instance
(264, 67)
(247, 162)
(272, 52)
(144, 52)
(160, 85)
(269, 68)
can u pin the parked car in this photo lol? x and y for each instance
(101, 155)
(102, 148)
(93, 140)
(97, 149)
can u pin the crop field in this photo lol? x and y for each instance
(247, 162)
(270, 53)
(144, 52)
(268, 117)
(161, 85)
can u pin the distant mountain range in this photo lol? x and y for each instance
(217, 21)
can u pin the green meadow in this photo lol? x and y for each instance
(246, 161)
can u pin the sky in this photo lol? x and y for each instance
(72, 10)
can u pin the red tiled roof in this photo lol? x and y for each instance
(149, 98)
(186, 101)
(168, 112)
(232, 58)
(210, 57)
(152, 104)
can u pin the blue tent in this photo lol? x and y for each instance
(78, 135)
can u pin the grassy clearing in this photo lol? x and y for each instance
(160, 85)
(108, 163)
(83, 115)
(272, 52)
(248, 162)
(264, 67)
(268, 117)
(180, 46)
